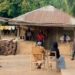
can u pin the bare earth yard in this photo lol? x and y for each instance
(21, 64)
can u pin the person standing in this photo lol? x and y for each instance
(73, 50)
(65, 38)
(60, 62)
(28, 34)
(40, 38)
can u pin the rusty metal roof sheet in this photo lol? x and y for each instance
(47, 15)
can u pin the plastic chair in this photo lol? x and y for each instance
(51, 58)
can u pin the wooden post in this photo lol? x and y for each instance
(18, 32)
(0, 34)
(57, 35)
(74, 32)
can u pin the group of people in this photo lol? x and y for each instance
(39, 37)
(39, 53)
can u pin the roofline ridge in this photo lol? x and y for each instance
(33, 11)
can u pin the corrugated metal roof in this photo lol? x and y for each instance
(2, 19)
(47, 15)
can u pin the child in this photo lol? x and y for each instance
(60, 63)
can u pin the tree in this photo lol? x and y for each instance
(10, 8)
(4, 5)
(13, 8)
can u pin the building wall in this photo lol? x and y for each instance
(55, 33)
(51, 33)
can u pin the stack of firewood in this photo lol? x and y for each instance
(8, 47)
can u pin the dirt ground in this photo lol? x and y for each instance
(21, 64)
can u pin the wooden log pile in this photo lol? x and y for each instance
(8, 47)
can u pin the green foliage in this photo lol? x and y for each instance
(4, 5)
(13, 8)
(10, 8)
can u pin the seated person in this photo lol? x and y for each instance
(55, 49)
(39, 54)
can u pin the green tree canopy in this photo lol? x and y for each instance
(13, 8)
